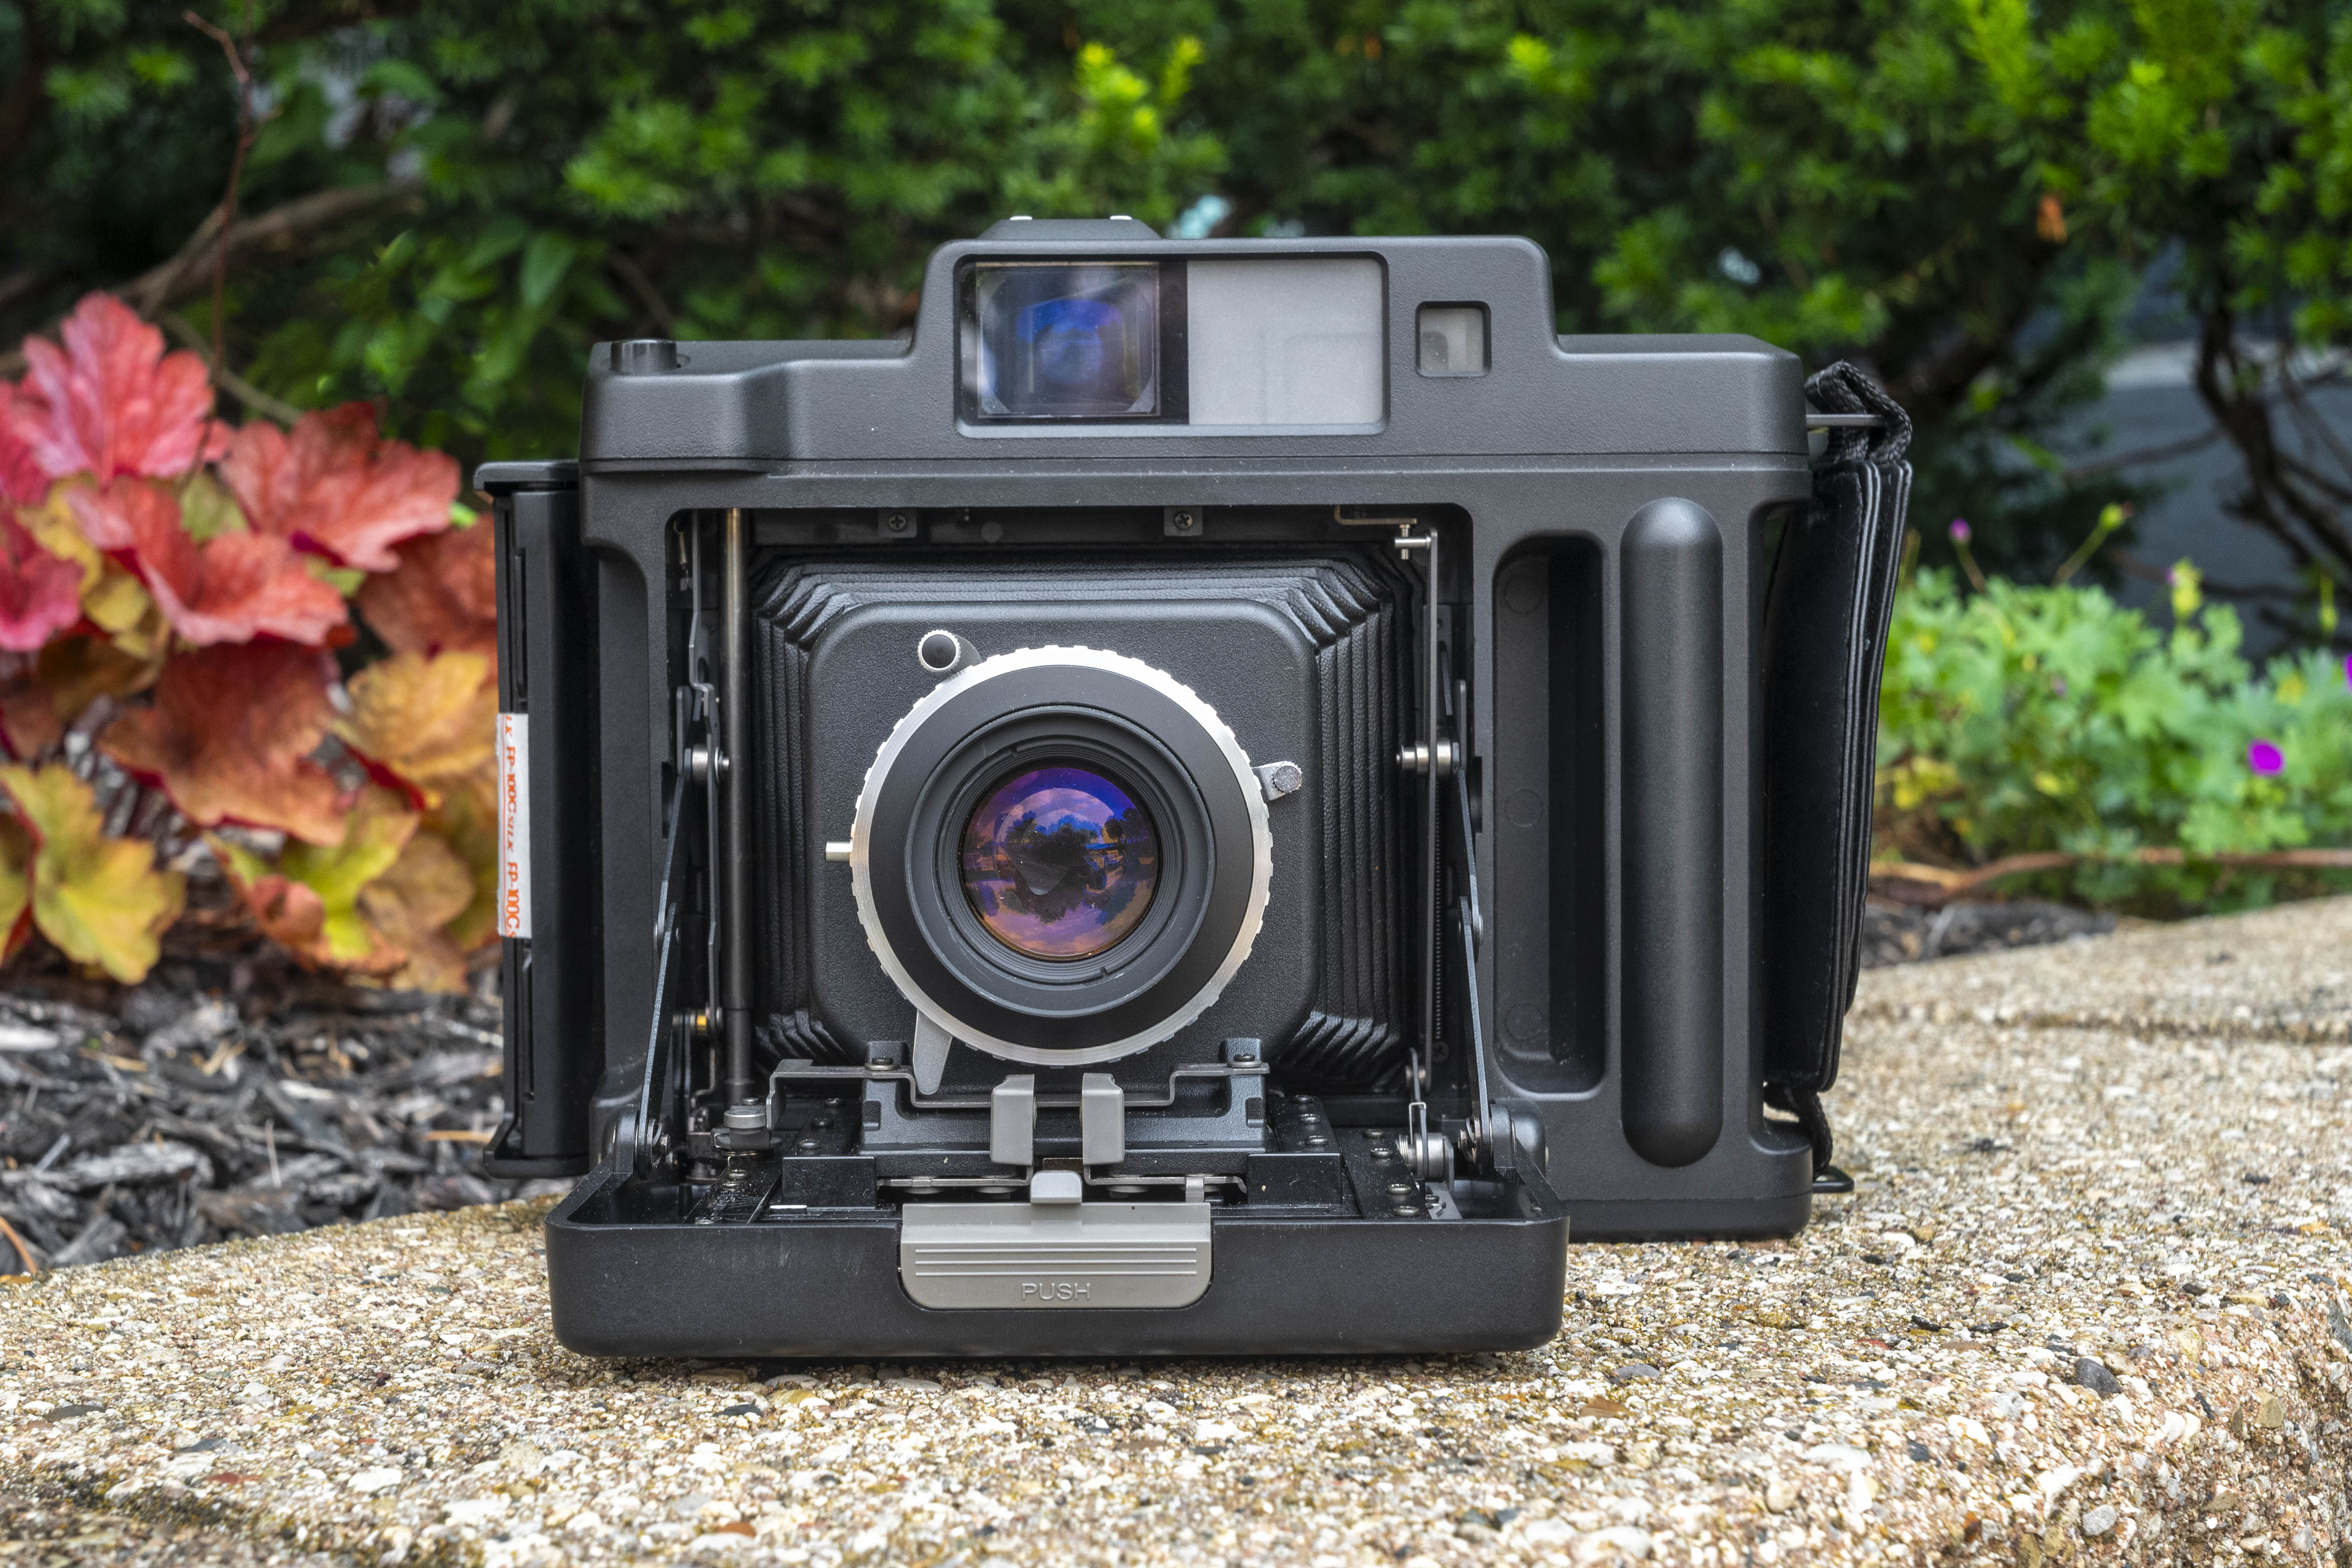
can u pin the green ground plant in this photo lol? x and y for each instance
(2049, 721)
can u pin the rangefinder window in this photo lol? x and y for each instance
(1073, 342)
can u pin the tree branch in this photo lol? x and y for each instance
(634, 278)
(2158, 454)
(1932, 886)
(280, 229)
(227, 380)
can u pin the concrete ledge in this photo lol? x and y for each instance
(2088, 1304)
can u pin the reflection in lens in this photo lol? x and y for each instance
(1067, 339)
(1059, 862)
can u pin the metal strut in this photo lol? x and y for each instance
(747, 1099)
(1432, 758)
(714, 725)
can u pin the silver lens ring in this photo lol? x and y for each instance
(1029, 668)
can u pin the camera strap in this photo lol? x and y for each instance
(1825, 627)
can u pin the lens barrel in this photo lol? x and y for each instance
(1061, 856)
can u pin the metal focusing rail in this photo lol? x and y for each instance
(886, 1071)
(712, 721)
(1441, 754)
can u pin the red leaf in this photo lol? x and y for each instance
(442, 597)
(229, 737)
(112, 402)
(336, 489)
(231, 588)
(40, 595)
(20, 472)
(288, 913)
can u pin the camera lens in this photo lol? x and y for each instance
(1059, 862)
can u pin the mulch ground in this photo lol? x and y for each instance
(225, 1098)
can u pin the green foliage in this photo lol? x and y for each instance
(2223, 127)
(2028, 719)
(1960, 194)
(1830, 177)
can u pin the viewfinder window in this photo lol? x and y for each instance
(1066, 340)
(1453, 340)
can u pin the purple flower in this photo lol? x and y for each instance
(1960, 530)
(2264, 758)
(2347, 669)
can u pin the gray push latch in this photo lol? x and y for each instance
(1055, 1254)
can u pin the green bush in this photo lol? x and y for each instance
(2027, 719)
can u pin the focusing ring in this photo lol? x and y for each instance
(1092, 708)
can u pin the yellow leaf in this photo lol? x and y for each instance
(53, 527)
(112, 595)
(119, 605)
(309, 901)
(16, 886)
(372, 840)
(467, 821)
(426, 889)
(207, 509)
(343, 580)
(100, 899)
(423, 725)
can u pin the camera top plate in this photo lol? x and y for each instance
(755, 405)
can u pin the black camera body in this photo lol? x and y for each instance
(1224, 797)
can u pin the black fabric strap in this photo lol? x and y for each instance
(1826, 616)
(1806, 1107)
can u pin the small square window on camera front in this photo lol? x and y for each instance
(1453, 340)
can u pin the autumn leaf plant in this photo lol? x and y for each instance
(181, 607)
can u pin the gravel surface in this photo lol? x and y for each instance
(2088, 1304)
(230, 1097)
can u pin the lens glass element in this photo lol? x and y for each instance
(1066, 341)
(1059, 862)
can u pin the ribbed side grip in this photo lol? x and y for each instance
(1672, 576)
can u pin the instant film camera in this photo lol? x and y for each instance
(1226, 796)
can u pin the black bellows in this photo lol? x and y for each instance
(1350, 613)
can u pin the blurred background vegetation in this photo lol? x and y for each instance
(443, 203)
